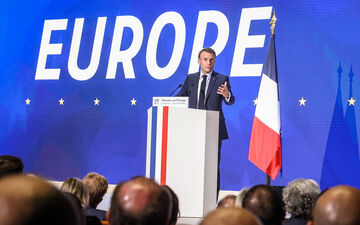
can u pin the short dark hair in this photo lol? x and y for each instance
(97, 185)
(155, 213)
(209, 50)
(268, 206)
(10, 165)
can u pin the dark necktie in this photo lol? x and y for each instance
(201, 104)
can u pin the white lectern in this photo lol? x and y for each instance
(182, 152)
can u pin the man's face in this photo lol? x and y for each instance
(206, 62)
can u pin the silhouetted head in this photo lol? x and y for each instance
(26, 200)
(97, 185)
(10, 165)
(339, 205)
(265, 203)
(299, 197)
(78, 188)
(140, 201)
(230, 216)
(227, 201)
(174, 211)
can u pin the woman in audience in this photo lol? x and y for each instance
(240, 197)
(299, 197)
(78, 188)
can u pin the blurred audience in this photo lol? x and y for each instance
(230, 216)
(29, 200)
(299, 197)
(10, 165)
(339, 205)
(26, 200)
(93, 220)
(174, 211)
(227, 201)
(97, 185)
(240, 197)
(139, 201)
(80, 190)
(265, 203)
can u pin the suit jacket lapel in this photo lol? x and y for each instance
(195, 88)
(211, 85)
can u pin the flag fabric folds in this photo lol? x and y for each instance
(265, 144)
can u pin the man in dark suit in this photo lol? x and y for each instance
(98, 186)
(207, 90)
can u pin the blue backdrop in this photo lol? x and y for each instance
(318, 51)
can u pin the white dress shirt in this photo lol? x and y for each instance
(208, 78)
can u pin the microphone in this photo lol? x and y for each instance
(180, 85)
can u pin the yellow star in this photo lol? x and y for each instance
(61, 101)
(351, 101)
(27, 101)
(133, 101)
(302, 101)
(255, 101)
(96, 101)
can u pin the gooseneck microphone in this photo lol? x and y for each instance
(180, 85)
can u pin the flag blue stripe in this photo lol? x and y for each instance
(153, 142)
(270, 67)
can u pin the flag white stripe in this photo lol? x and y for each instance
(268, 107)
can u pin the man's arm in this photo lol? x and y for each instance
(225, 91)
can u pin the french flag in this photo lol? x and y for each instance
(265, 144)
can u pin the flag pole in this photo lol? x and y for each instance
(272, 29)
(267, 180)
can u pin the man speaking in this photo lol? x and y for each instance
(207, 90)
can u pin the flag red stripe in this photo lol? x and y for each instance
(164, 145)
(265, 148)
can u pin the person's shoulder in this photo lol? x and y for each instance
(193, 75)
(219, 75)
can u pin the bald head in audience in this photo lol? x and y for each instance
(265, 203)
(26, 200)
(10, 165)
(140, 201)
(339, 205)
(230, 216)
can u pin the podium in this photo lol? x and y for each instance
(182, 152)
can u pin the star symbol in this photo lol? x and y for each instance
(351, 101)
(61, 101)
(133, 101)
(302, 101)
(96, 101)
(255, 101)
(27, 101)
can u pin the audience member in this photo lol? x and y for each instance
(227, 201)
(77, 207)
(139, 201)
(339, 205)
(265, 203)
(26, 200)
(78, 188)
(97, 185)
(93, 220)
(240, 197)
(299, 197)
(10, 165)
(174, 211)
(230, 216)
